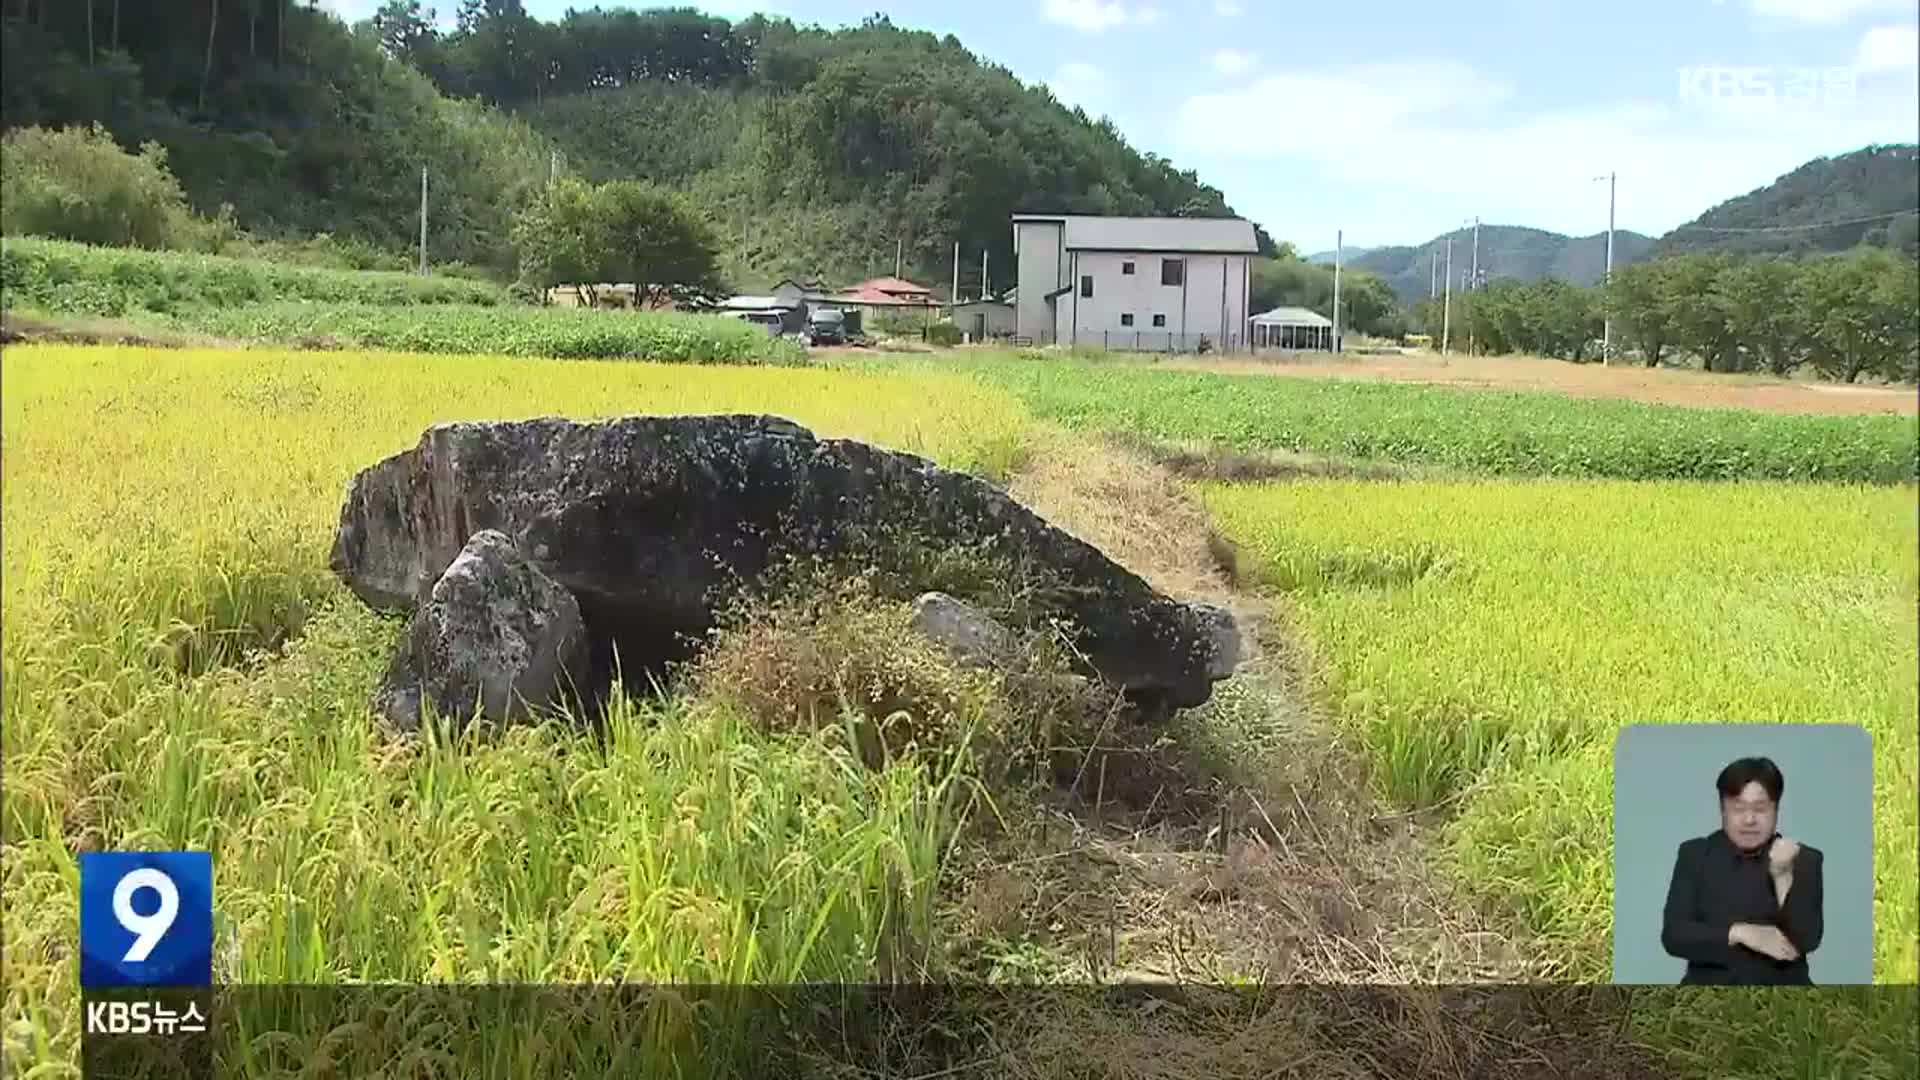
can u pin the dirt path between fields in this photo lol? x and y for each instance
(1252, 849)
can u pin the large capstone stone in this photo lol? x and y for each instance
(494, 638)
(652, 523)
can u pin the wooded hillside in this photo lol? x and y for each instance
(1873, 194)
(812, 151)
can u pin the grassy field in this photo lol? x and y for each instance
(1486, 639)
(1489, 432)
(77, 279)
(564, 333)
(135, 716)
(1620, 380)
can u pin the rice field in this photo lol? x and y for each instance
(168, 515)
(168, 512)
(1486, 639)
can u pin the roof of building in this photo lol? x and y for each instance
(1221, 236)
(1291, 316)
(879, 298)
(889, 285)
(989, 302)
(755, 303)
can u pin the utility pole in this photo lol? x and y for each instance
(1473, 282)
(1338, 243)
(953, 304)
(899, 253)
(423, 220)
(1446, 307)
(984, 290)
(1606, 328)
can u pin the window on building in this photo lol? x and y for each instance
(1086, 286)
(1126, 319)
(1127, 268)
(1173, 271)
(1159, 320)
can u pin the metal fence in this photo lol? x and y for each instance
(1156, 341)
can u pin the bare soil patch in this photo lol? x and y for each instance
(1661, 386)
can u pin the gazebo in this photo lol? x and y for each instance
(1291, 328)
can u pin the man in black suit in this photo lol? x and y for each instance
(1743, 908)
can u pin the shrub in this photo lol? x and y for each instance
(66, 278)
(565, 333)
(943, 334)
(78, 184)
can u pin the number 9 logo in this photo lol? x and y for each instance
(148, 930)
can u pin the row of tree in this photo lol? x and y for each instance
(1842, 316)
(503, 56)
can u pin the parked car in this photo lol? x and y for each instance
(826, 326)
(768, 320)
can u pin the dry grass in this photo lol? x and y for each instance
(1665, 386)
(28, 327)
(1133, 510)
(1241, 845)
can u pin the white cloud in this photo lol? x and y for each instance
(1368, 97)
(1094, 16)
(1889, 48)
(1376, 125)
(1233, 62)
(1228, 9)
(1828, 11)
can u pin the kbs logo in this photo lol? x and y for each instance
(146, 919)
(143, 1018)
(1785, 88)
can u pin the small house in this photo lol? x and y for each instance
(1292, 328)
(983, 320)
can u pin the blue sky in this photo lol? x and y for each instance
(1396, 120)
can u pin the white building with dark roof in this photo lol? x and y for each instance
(1133, 283)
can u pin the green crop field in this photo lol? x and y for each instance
(1485, 640)
(77, 279)
(1480, 431)
(565, 333)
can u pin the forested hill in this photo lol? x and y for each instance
(817, 152)
(1506, 251)
(813, 151)
(1875, 183)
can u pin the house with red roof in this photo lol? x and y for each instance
(886, 292)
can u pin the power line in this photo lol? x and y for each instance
(1797, 228)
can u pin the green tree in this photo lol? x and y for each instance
(1860, 308)
(1640, 300)
(656, 242)
(564, 239)
(1756, 297)
(77, 184)
(1696, 312)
